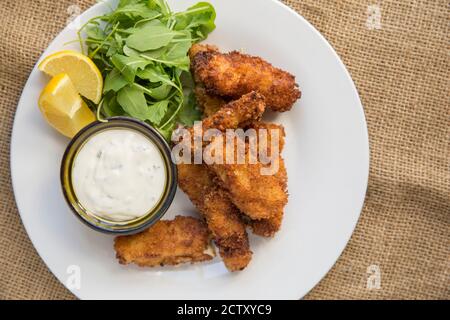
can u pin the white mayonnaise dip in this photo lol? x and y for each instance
(119, 175)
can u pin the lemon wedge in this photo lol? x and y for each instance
(81, 70)
(63, 107)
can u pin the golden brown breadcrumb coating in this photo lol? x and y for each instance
(269, 126)
(167, 242)
(231, 75)
(196, 181)
(237, 114)
(268, 227)
(222, 217)
(197, 47)
(258, 196)
(225, 222)
(207, 103)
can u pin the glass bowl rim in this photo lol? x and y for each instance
(153, 134)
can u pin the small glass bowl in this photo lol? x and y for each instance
(101, 224)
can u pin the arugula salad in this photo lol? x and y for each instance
(141, 49)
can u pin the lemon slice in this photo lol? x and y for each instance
(63, 107)
(81, 70)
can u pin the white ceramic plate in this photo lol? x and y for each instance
(327, 158)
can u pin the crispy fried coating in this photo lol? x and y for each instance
(228, 229)
(257, 195)
(196, 181)
(222, 217)
(208, 104)
(184, 239)
(269, 127)
(196, 48)
(268, 227)
(281, 174)
(231, 75)
(237, 114)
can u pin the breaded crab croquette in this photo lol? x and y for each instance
(196, 181)
(238, 113)
(231, 75)
(235, 114)
(207, 103)
(256, 195)
(270, 129)
(268, 227)
(197, 47)
(222, 217)
(167, 242)
(228, 229)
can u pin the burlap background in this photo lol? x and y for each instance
(402, 73)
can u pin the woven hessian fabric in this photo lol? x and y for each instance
(398, 55)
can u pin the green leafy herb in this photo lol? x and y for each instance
(189, 112)
(158, 111)
(167, 131)
(150, 38)
(111, 107)
(141, 48)
(199, 19)
(133, 102)
(114, 81)
(128, 66)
